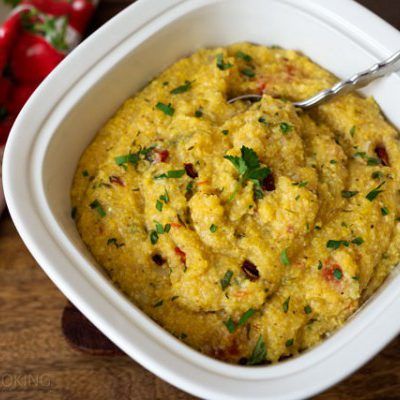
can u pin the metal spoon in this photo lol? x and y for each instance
(357, 81)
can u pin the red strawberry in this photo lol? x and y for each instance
(82, 10)
(5, 127)
(52, 7)
(5, 87)
(18, 97)
(32, 58)
(8, 34)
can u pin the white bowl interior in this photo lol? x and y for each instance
(127, 67)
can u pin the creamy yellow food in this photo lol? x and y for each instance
(248, 231)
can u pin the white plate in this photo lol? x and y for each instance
(63, 115)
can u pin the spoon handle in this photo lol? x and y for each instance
(357, 81)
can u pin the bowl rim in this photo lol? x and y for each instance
(32, 119)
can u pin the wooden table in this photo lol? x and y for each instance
(37, 363)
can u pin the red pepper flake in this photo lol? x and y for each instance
(261, 86)
(332, 272)
(117, 180)
(290, 70)
(157, 258)
(181, 254)
(268, 183)
(160, 155)
(250, 270)
(382, 155)
(190, 171)
(175, 225)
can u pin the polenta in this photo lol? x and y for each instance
(248, 231)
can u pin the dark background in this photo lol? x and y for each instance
(36, 363)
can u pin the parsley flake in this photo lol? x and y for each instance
(285, 305)
(384, 211)
(308, 309)
(248, 72)
(347, 194)
(374, 193)
(335, 244)
(243, 56)
(159, 205)
(158, 304)
(358, 241)
(167, 109)
(289, 342)
(376, 175)
(153, 237)
(226, 280)
(178, 173)
(213, 228)
(230, 325)
(284, 258)
(245, 317)
(259, 353)
(221, 64)
(95, 205)
(182, 88)
(248, 166)
(338, 274)
(132, 158)
(285, 127)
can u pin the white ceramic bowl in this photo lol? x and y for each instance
(62, 117)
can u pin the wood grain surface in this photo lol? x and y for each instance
(37, 363)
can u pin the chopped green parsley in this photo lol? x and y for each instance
(178, 173)
(182, 88)
(285, 305)
(284, 257)
(259, 353)
(158, 304)
(377, 175)
(248, 72)
(221, 64)
(384, 211)
(249, 168)
(347, 194)
(245, 317)
(230, 325)
(213, 228)
(308, 309)
(132, 158)
(159, 205)
(243, 56)
(338, 274)
(226, 280)
(358, 241)
(95, 205)
(285, 127)
(335, 244)
(374, 193)
(167, 109)
(289, 342)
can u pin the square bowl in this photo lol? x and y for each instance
(84, 91)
